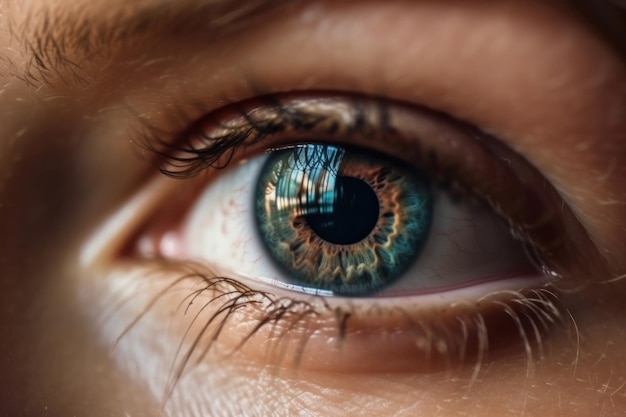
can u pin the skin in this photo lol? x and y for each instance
(527, 72)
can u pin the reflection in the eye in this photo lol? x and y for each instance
(341, 220)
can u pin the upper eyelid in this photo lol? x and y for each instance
(512, 136)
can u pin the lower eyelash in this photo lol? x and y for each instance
(457, 338)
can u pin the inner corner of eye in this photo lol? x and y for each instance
(340, 221)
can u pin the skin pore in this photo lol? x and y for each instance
(81, 80)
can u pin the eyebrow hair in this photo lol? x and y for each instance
(54, 41)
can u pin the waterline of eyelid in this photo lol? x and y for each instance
(435, 296)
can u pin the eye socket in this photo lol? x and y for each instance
(418, 335)
(438, 312)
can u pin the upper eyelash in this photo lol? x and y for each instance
(183, 159)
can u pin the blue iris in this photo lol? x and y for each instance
(343, 220)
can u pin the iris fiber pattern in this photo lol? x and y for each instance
(343, 220)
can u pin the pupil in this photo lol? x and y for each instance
(352, 216)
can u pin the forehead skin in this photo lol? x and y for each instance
(66, 83)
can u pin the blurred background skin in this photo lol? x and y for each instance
(67, 163)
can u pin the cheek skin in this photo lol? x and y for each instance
(51, 361)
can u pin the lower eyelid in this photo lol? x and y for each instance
(314, 333)
(444, 331)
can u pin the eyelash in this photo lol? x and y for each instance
(459, 337)
(217, 151)
(192, 152)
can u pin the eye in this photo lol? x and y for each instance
(456, 234)
(192, 292)
(343, 221)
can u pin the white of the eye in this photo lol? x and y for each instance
(466, 246)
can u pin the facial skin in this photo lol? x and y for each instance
(527, 72)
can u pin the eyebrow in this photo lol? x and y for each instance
(55, 41)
